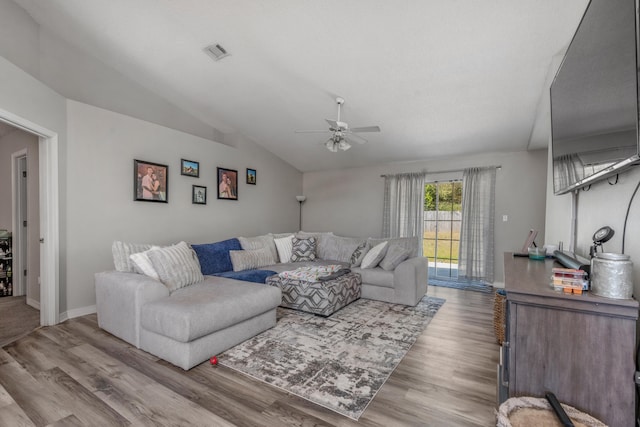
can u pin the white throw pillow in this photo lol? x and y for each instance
(177, 265)
(122, 251)
(374, 256)
(285, 248)
(142, 263)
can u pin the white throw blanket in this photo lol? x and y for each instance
(310, 274)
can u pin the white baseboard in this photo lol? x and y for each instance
(33, 303)
(77, 312)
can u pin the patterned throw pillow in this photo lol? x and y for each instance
(358, 254)
(304, 249)
(394, 256)
(177, 266)
(251, 259)
(374, 256)
(285, 247)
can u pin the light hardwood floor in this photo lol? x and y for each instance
(75, 374)
(16, 319)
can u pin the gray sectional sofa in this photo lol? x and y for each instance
(185, 316)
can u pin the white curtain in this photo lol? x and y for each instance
(403, 205)
(476, 256)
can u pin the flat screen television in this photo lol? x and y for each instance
(594, 98)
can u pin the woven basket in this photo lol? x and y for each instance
(499, 312)
(532, 411)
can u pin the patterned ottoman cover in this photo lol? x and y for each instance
(318, 297)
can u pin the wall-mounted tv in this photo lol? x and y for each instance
(594, 98)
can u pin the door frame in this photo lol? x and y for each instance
(49, 215)
(19, 243)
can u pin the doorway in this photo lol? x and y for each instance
(48, 213)
(442, 225)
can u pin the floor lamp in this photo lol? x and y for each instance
(300, 200)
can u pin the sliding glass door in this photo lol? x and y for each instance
(442, 220)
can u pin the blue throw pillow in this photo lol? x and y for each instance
(256, 276)
(214, 257)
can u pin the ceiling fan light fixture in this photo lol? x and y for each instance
(344, 145)
(331, 146)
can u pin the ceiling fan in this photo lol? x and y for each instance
(341, 134)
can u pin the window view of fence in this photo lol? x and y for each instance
(442, 220)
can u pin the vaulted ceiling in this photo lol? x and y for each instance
(440, 77)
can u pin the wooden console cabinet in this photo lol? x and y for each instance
(580, 347)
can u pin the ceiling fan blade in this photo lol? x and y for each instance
(311, 131)
(366, 129)
(333, 123)
(355, 138)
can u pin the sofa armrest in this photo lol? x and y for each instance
(410, 280)
(119, 297)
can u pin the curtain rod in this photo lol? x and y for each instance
(449, 171)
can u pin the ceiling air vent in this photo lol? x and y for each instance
(216, 51)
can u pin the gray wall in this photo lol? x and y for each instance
(601, 205)
(11, 143)
(349, 201)
(101, 148)
(96, 162)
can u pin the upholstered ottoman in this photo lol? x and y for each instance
(318, 297)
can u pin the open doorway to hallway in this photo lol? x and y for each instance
(19, 216)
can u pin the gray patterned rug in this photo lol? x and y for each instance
(339, 362)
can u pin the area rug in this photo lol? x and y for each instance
(339, 362)
(464, 284)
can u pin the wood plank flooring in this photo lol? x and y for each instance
(16, 319)
(75, 374)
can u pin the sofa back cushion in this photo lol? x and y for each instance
(122, 251)
(214, 257)
(259, 242)
(411, 243)
(337, 248)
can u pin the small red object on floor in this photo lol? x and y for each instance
(214, 360)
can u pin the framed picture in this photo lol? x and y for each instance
(189, 168)
(150, 182)
(198, 195)
(251, 176)
(227, 184)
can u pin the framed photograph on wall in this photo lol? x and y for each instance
(189, 168)
(227, 184)
(251, 176)
(198, 195)
(150, 182)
